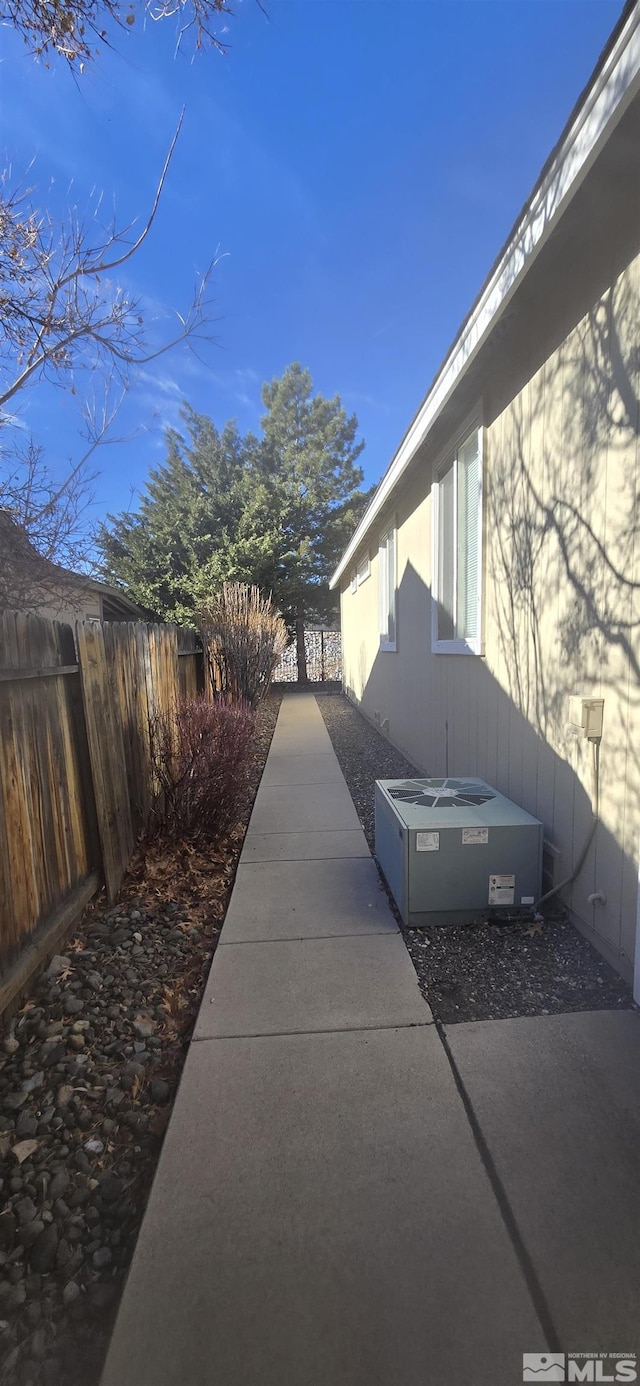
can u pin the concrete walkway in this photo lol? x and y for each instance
(346, 1198)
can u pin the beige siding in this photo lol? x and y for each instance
(561, 601)
(81, 604)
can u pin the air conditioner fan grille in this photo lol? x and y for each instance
(441, 794)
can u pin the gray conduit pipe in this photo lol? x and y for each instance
(590, 835)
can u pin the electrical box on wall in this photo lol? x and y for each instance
(453, 849)
(586, 717)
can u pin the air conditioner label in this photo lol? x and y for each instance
(427, 842)
(473, 837)
(502, 890)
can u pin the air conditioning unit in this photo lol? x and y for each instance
(452, 850)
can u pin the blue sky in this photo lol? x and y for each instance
(357, 165)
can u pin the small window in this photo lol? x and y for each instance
(354, 581)
(457, 541)
(364, 571)
(387, 590)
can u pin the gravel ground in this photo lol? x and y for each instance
(364, 756)
(484, 971)
(88, 1071)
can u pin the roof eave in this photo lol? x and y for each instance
(602, 105)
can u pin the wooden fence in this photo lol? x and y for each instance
(75, 767)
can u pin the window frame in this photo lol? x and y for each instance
(459, 645)
(361, 574)
(390, 529)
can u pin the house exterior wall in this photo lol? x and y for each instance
(561, 589)
(83, 605)
(79, 603)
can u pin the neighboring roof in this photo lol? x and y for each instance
(610, 90)
(115, 596)
(20, 562)
(26, 570)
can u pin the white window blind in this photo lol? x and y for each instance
(446, 555)
(457, 560)
(364, 570)
(387, 589)
(468, 536)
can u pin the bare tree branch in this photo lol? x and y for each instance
(59, 310)
(65, 320)
(75, 30)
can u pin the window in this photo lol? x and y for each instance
(387, 590)
(457, 545)
(364, 571)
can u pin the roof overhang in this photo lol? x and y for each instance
(116, 596)
(603, 103)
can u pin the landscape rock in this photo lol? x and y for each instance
(144, 1026)
(101, 1257)
(21, 1152)
(55, 1053)
(32, 1084)
(94, 1146)
(28, 1235)
(70, 1293)
(12, 1101)
(26, 1125)
(57, 965)
(110, 1187)
(160, 1090)
(25, 1210)
(43, 1252)
(59, 1184)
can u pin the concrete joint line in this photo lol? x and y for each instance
(262, 861)
(536, 1292)
(340, 1030)
(298, 784)
(303, 832)
(306, 938)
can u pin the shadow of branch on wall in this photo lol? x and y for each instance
(563, 516)
(454, 716)
(562, 614)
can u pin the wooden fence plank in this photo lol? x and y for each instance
(18, 883)
(106, 752)
(190, 663)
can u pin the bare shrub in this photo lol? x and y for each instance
(245, 637)
(201, 756)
